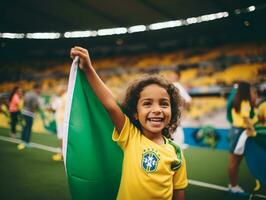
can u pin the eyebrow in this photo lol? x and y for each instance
(149, 99)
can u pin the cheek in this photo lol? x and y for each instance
(169, 113)
(139, 112)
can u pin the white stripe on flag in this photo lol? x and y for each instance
(70, 91)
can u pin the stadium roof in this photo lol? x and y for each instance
(79, 15)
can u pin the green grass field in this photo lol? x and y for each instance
(31, 173)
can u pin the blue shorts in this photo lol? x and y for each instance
(234, 135)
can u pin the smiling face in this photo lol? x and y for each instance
(153, 110)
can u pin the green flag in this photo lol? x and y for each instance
(92, 160)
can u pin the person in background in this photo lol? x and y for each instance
(14, 107)
(178, 134)
(262, 113)
(58, 106)
(31, 105)
(243, 117)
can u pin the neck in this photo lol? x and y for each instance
(157, 138)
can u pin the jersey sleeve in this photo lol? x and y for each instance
(125, 135)
(180, 180)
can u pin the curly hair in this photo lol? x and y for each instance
(129, 105)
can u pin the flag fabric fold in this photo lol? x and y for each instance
(92, 160)
(255, 154)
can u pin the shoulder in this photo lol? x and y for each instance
(127, 128)
(128, 125)
(176, 147)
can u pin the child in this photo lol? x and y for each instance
(153, 167)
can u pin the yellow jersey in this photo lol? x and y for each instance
(238, 118)
(146, 171)
(262, 114)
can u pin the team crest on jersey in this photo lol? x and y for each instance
(150, 159)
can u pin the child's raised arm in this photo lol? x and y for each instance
(98, 86)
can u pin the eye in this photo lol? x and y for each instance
(165, 104)
(146, 103)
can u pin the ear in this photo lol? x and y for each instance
(136, 116)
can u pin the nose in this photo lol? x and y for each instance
(156, 109)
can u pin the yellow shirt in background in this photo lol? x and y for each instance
(262, 114)
(146, 171)
(238, 118)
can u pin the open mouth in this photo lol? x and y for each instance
(155, 119)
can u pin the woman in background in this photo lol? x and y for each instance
(243, 117)
(14, 108)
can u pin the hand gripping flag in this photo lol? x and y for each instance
(92, 160)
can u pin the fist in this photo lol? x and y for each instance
(83, 55)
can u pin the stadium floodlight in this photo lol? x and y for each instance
(12, 35)
(112, 31)
(121, 30)
(43, 35)
(176, 23)
(131, 29)
(199, 20)
(192, 20)
(80, 34)
(221, 15)
(245, 10)
(251, 8)
(167, 24)
(137, 28)
(204, 18)
(214, 16)
(159, 25)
